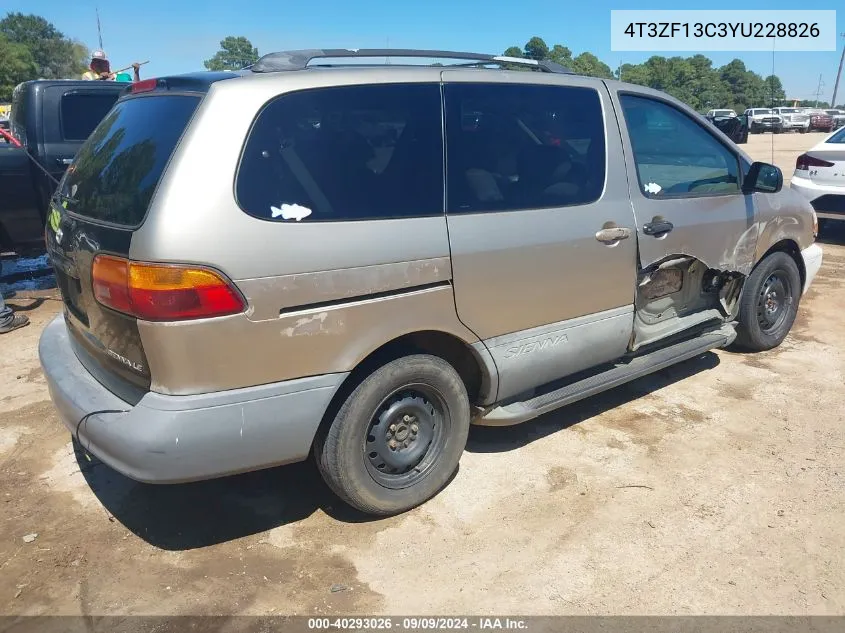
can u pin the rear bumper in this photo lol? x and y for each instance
(796, 125)
(172, 439)
(812, 256)
(827, 200)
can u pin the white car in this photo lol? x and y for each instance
(794, 119)
(820, 177)
(720, 114)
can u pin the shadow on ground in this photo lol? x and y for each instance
(189, 516)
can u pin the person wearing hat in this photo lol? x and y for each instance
(100, 69)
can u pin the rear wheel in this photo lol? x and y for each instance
(769, 303)
(398, 437)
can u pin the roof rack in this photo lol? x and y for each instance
(299, 59)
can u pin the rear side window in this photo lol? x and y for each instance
(513, 147)
(117, 169)
(674, 155)
(345, 153)
(81, 112)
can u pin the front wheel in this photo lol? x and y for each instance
(398, 437)
(769, 303)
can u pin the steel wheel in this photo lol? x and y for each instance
(774, 301)
(406, 436)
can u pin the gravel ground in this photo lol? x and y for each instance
(715, 487)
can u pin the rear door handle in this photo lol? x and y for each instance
(659, 228)
(609, 236)
(64, 161)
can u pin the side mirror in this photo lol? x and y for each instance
(764, 178)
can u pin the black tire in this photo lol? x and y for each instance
(418, 403)
(803, 130)
(769, 303)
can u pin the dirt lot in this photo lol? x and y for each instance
(713, 487)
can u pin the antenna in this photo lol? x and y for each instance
(99, 30)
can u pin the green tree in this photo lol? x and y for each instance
(537, 49)
(54, 55)
(635, 74)
(775, 90)
(562, 55)
(513, 51)
(235, 53)
(17, 66)
(591, 66)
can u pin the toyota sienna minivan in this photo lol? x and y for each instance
(359, 261)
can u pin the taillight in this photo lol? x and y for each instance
(162, 292)
(109, 278)
(805, 161)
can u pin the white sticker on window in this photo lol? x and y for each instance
(290, 212)
(653, 188)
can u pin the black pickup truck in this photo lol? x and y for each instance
(51, 119)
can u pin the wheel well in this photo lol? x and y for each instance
(446, 346)
(790, 248)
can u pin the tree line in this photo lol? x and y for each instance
(693, 80)
(32, 48)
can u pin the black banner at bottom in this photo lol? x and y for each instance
(433, 624)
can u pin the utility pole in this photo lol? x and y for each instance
(838, 75)
(819, 91)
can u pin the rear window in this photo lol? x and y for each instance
(119, 166)
(81, 112)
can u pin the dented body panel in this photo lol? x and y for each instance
(720, 230)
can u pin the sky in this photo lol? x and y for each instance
(177, 35)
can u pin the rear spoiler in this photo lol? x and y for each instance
(191, 82)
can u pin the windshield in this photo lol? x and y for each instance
(788, 110)
(723, 112)
(763, 111)
(118, 168)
